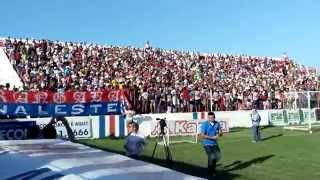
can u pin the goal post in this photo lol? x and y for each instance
(300, 110)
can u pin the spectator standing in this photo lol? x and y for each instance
(255, 119)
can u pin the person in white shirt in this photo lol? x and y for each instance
(255, 118)
(135, 141)
(145, 96)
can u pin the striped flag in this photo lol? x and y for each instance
(199, 115)
(113, 125)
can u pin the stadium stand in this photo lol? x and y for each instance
(160, 80)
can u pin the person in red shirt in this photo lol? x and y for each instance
(185, 99)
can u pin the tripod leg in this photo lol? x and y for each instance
(154, 150)
(167, 150)
(155, 147)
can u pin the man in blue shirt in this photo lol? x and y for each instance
(135, 141)
(210, 132)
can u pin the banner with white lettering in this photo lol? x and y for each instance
(184, 127)
(14, 130)
(45, 110)
(69, 103)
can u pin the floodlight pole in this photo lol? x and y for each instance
(309, 108)
(211, 103)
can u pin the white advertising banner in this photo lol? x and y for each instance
(176, 127)
(81, 126)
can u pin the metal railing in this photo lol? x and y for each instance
(207, 102)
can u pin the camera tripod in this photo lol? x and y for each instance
(167, 151)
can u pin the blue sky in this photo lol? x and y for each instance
(253, 27)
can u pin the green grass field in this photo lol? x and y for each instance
(283, 155)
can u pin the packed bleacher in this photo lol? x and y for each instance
(160, 80)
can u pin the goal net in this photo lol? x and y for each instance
(300, 110)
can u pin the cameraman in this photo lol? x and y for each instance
(135, 141)
(49, 131)
(163, 125)
(210, 132)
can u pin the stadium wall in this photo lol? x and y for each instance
(89, 126)
(115, 125)
(230, 119)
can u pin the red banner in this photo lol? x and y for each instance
(47, 97)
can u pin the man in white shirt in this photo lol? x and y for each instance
(255, 118)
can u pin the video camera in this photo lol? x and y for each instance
(161, 137)
(163, 124)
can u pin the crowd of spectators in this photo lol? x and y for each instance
(160, 80)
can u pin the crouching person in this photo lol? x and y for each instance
(135, 141)
(49, 131)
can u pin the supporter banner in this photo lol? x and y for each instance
(47, 97)
(43, 110)
(14, 130)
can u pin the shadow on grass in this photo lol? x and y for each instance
(267, 127)
(238, 165)
(232, 164)
(235, 130)
(178, 166)
(224, 172)
(190, 168)
(271, 137)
